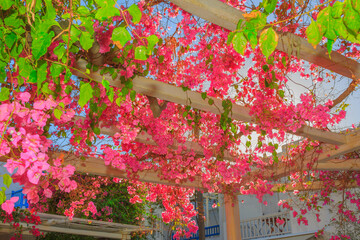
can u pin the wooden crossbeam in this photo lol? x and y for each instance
(339, 165)
(96, 166)
(176, 94)
(145, 138)
(227, 16)
(312, 186)
(300, 162)
(330, 152)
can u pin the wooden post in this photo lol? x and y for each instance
(233, 230)
(200, 218)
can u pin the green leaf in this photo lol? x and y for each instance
(40, 44)
(281, 93)
(97, 131)
(248, 144)
(68, 89)
(45, 89)
(56, 70)
(203, 95)
(33, 77)
(340, 28)
(121, 35)
(211, 101)
(6, 4)
(269, 5)
(102, 3)
(132, 95)
(110, 94)
(351, 19)
(251, 36)
(106, 84)
(58, 113)
(329, 46)
(239, 42)
(230, 38)
(86, 40)
(355, 5)
(86, 93)
(337, 10)
(13, 21)
(313, 34)
(60, 51)
(256, 20)
(25, 68)
(83, 10)
(239, 24)
(50, 10)
(125, 91)
(268, 41)
(152, 41)
(135, 13)
(140, 53)
(10, 39)
(4, 94)
(161, 58)
(41, 75)
(324, 21)
(2, 197)
(7, 180)
(107, 12)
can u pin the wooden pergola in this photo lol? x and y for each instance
(214, 11)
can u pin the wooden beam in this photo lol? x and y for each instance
(176, 94)
(232, 212)
(339, 165)
(330, 152)
(68, 230)
(312, 186)
(96, 166)
(145, 138)
(227, 17)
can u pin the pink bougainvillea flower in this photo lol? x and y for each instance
(8, 205)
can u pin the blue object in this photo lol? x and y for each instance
(209, 231)
(22, 202)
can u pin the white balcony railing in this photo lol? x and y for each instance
(266, 226)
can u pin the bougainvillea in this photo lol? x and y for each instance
(53, 105)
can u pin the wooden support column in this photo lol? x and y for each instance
(232, 211)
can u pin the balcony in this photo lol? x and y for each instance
(266, 226)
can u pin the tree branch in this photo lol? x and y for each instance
(346, 93)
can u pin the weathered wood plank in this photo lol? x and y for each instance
(176, 94)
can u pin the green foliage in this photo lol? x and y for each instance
(86, 93)
(140, 53)
(269, 5)
(122, 35)
(338, 21)
(239, 42)
(4, 94)
(7, 180)
(268, 41)
(313, 34)
(135, 13)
